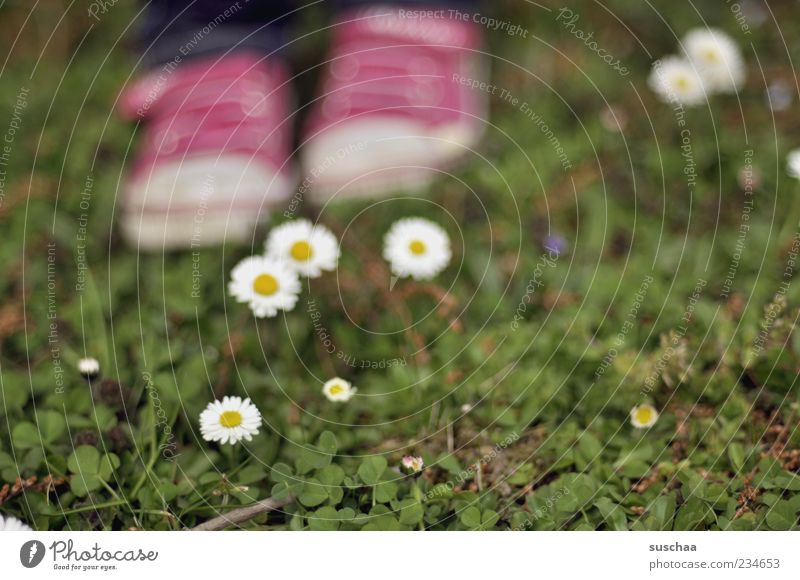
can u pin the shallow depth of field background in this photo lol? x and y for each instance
(512, 374)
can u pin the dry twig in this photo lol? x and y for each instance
(240, 515)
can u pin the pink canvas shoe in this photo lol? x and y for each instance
(214, 156)
(397, 103)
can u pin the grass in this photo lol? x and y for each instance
(512, 374)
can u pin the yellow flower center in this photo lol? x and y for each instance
(644, 415)
(230, 419)
(337, 389)
(417, 247)
(301, 251)
(682, 83)
(265, 284)
(711, 55)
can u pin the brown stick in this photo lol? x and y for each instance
(240, 515)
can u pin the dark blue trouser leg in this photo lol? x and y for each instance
(190, 28)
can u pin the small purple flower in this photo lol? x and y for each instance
(556, 243)
(779, 95)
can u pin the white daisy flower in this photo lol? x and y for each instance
(717, 58)
(307, 248)
(416, 247)
(88, 367)
(338, 390)
(267, 285)
(413, 463)
(793, 163)
(644, 416)
(676, 80)
(12, 524)
(230, 420)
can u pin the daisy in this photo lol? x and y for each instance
(88, 367)
(338, 390)
(793, 163)
(416, 247)
(413, 463)
(717, 58)
(644, 416)
(230, 421)
(306, 248)
(12, 524)
(267, 285)
(676, 80)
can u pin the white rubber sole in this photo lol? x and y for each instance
(201, 201)
(374, 157)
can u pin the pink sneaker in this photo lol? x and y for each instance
(214, 154)
(395, 106)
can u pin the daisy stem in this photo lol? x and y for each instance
(230, 454)
(418, 497)
(203, 502)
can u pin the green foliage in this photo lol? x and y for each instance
(90, 469)
(511, 377)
